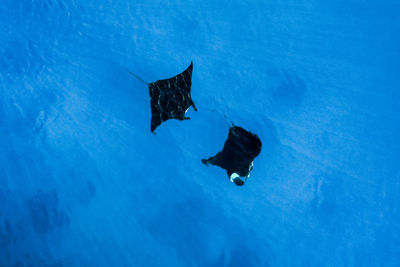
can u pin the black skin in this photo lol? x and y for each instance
(170, 98)
(240, 149)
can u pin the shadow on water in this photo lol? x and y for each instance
(290, 90)
(199, 223)
(45, 212)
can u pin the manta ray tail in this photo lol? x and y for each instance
(137, 77)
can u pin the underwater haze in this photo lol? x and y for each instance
(83, 181)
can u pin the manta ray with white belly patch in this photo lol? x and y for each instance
(238, 154)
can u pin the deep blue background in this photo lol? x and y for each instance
(83, 182)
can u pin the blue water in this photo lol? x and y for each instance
(83, 182)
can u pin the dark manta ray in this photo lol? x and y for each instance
(238, 154)
(171, 98)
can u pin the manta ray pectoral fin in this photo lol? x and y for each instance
(205, 162)
(194, 106)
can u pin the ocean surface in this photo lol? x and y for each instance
(83, 181)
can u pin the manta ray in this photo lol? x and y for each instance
(237, 155)
(170, 98)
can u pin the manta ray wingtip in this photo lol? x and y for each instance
(205, 162)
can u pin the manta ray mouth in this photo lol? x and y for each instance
(235, 179)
